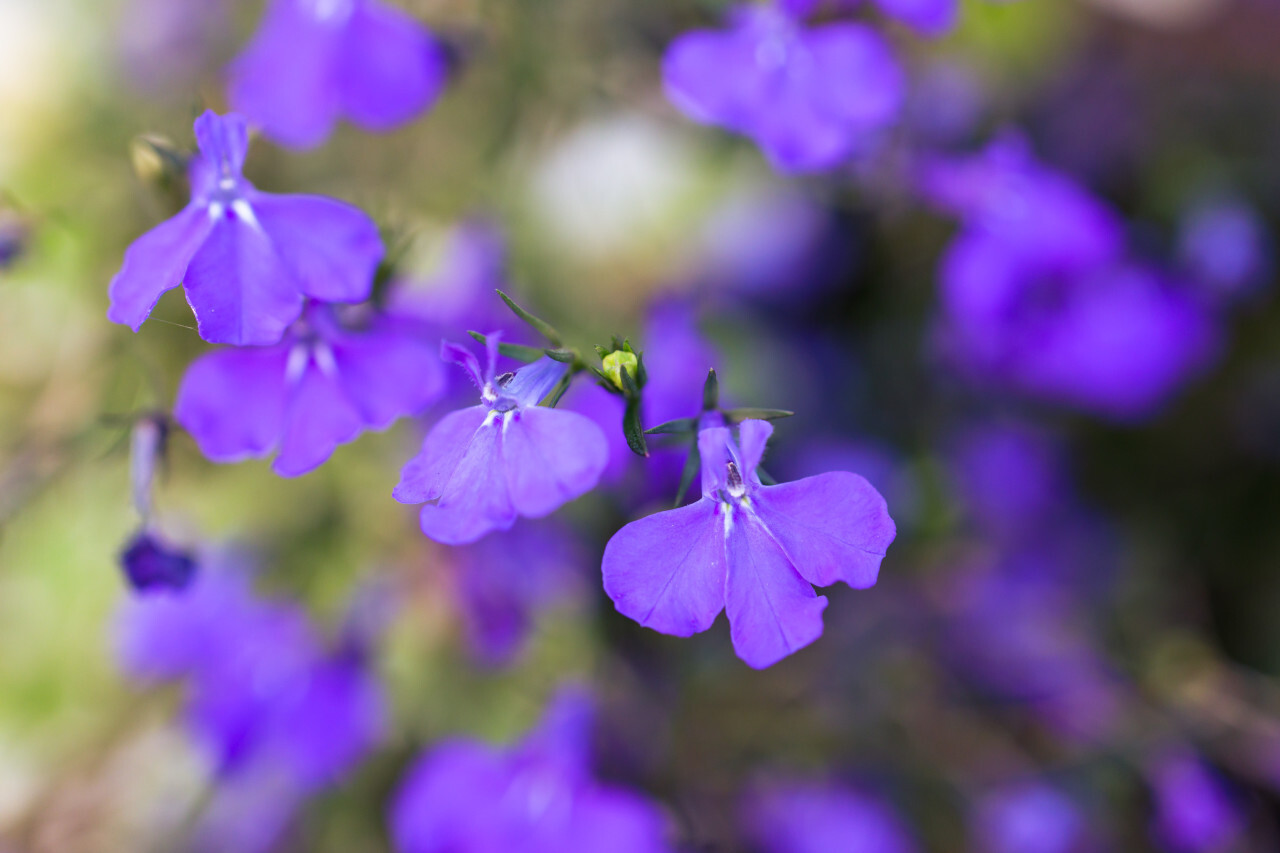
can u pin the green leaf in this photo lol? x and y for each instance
(633, 430)
(564, 356)
(516, 351)
(680, 425)
(692, 464)
(540, 325)
(711, 392)
(734, 416)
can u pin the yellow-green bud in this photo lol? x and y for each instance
(615, 361)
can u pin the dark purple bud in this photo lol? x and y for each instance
(151, 564)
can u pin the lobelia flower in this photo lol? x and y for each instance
(810, 97)
(536, 797)
(1037, 293)
(1224, 247)
(813, 818)
(1195, 810)
(755, 551)
(321, 386)
(1029, 818)
(266, 698)
(926, 17)
(482, 467)
(246, 259)
(315, 61)
(504, 582)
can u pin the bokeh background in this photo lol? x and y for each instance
(1073, 605)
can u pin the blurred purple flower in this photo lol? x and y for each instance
(504, 582)
(246, 258)
(1019, 632)
(458, 293)
(1194, 810)
(315, 61)
(1031, 818)
(1011, 477)
(151, 564)
(165, 45)
(536, 797)
(482, 467)
(812, 818)
(264, 692)
(321, 386)
(754, 550)
(1224, 247)
(810, 97)
(1037, 294)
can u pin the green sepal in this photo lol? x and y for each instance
(520, 352)
(692, 465)
(735, 416)
(539, 325)
(711, 392)
(676, 427)
(632, 428)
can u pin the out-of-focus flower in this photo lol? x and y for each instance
(810, 97)
(1194, 810)
(264, 692)
(504, 582)
(754, 550)
(15, 233)
(458, 291)
(814, 818)
(1224, 247)
(1031, 818)
(321, 386)
(165, 45)
(151, 564)
(315, 61)
(946, 103)
(245, 258)
(535, 797)
(482, 467)
(1037, 293)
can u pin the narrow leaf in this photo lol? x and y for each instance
(692, 465)
(564, 356)
(553, 399)
(680, 425)
(540, 325)
(734, 416)
(516, 351)
(766, 478)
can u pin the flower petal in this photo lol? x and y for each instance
(232, 401)
(550, 458)
(772, 610)
(223, 140)
(927, 17)
(710, 76)
(426, 475)
(448, 799)
(753, 435)
(240, 292)
(388, 373)
(667, 571)
(475, 499)
(856, 80)
(282, 82)
(156, 262)
(332, 248)
(387, 68)
(318, 417)
(834, 527)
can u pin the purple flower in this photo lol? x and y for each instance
(246, 259)
(536, 797)
(812, 818)
(1195, 812)
(810, 97)
(755, 551)
(1038, 296)
(315, 61)
(151, 564)
(482, 467)
(321, 386)
(927, 17)
(1032, 818)
(504, 582)
(1224, 247)
(264, 692)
